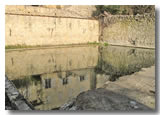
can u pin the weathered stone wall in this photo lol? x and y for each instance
(27, 25)
(137, 31)
(73, 24)
(15, 98)
(78, 11)
(35, 30)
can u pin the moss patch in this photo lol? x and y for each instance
(93, 43)
(105, 44)
(20, 46)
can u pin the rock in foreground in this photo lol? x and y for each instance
(103, 100)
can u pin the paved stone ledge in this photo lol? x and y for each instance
(139, 86)
(16, 99)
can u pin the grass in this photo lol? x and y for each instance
(98, 43)
(20, 46)
(93, 43)
(105, 44)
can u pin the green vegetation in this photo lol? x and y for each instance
(98, 43)
(141, 9)
(105, 44)
(20, 46)
(93, 43)
(123, 9)
(29, 46)
(110, 9)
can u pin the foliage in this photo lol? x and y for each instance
(105, 44)
(123, 9)
(124, 12)
(94, 43)
(112, 9)
(19, 46)
(141, 9)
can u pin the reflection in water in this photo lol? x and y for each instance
(119, 61)
(50, 77)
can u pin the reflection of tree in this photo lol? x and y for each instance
(27, 80)
(130, 61)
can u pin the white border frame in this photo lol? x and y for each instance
(67, 2)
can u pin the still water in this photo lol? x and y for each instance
(50, 77)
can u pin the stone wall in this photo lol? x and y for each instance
(137, 31)
(74, 24)
(77, 11)
(28, 25)
(36, 30)
(15, 98)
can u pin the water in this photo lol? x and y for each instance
(50, 77)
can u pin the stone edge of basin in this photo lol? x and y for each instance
(16, 99)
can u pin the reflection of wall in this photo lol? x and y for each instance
(101, 79)
(58, 91)
(32, 62)
(122, 60)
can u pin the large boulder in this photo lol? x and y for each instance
(103, 100)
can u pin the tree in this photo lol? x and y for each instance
(141, 9)
(123, 9)
(112, 9)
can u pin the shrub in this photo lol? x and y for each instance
(105, 44)
(123, 9)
